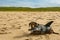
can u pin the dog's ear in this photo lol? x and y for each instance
(49, 23)
(29, 24)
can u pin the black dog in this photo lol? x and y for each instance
(40, 28)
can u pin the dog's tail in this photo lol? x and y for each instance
(49, 23)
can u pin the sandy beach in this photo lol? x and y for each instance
(15, 25)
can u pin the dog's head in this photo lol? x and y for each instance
(32, 24)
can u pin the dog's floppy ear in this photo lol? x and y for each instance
(29, 24)
(49, 23)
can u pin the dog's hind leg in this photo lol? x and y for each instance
(51, 31)
(48, 24)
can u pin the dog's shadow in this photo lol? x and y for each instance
(21, 36)
(31, 34)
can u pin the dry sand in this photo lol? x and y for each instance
(14, 25)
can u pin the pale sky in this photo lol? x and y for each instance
(30, 3)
